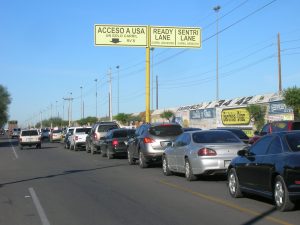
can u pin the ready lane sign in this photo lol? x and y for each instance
(120, 35)
(175, 37)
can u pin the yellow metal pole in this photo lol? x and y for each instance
(148, 116)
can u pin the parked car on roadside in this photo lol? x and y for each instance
(30, 138)
(238, 132)
(275, 126)
(115, 143)
(98, 130)
(150, 141)
(207, 152)
(78, 138)
(270, 168)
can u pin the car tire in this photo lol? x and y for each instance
(165, 166)
(87, 149)
(188, 171)
(92, 149)
(142, 161)
(233, 184)
(281, 195)
(75, 147)
(109, 155)
(131, 160)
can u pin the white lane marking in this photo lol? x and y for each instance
(14, 150)
(39, 207)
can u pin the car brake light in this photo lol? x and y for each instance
(115, 142)
(206, 152)
(148, 140)
(297, 181)
(95, 136)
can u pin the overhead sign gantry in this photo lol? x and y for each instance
(148, 37)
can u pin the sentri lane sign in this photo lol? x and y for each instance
(175, 37)
(119, 35)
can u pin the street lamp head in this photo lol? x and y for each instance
(118, 67)
(217, 8)
(96, 80)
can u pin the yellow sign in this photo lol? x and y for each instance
(119, 35)
(240, 116)
(175, 37)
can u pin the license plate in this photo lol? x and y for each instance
(226, 163)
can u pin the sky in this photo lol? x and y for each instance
(47, 52)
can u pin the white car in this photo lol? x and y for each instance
(78, 139)
(30, 138)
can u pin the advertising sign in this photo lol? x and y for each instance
(279, 108)
(238, 116)
(119, 35)
(203, 114)
(175, 37)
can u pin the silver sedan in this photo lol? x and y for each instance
(201, 152)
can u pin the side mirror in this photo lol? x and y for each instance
(242, 152)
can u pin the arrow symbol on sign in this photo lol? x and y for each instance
(115, 40)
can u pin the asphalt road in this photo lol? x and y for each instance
(56, 186)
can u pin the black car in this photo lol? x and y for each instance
(115, 143)
(270, 168)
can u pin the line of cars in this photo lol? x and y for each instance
(270, 167)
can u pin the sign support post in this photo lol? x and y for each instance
(148, 114)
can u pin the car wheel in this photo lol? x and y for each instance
(87, 149)
(233, 184)
(142, 160)
(92, 149)
(281, 195)
(75, 147)
(109, 156)
(165, 166)
(131, 160)
(189, 172)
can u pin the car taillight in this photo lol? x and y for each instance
(297, 181)
(148, 140)
(115, 142)
(95, 136)
(206, 152)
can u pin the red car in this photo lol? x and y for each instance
(275, 126)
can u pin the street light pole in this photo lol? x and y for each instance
(118, 68)
(217, 8)
(81, 102)
(152, 78)
(96, 80)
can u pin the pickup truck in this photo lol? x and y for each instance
(30, 138)
(78, 138)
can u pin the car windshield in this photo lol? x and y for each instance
(105, 128)
(83, 130)
(165, 130)
(293, 140)
(29, 133)
(215, 137)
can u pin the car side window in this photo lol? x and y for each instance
(275, 146)
(186, 139)
(266, 128)
(179, 140)
(261, 147)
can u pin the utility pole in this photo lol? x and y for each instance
(118, 68)
(152, 78)
(69, 108)
(156, 92)
(110, 95)
(81, 102)
(51, 110)
(56, 112)
(217, 8)
(41, 114)
(96, 80)
(279, 64)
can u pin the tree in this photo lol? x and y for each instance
(291, 97)
(87, 121)
(123, 118)
(167, 115)
(257, 114)
(5, 100)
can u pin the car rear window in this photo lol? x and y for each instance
(105, 128)
(29, 133)
(83, 130)
(56, 131)
(165, 130)
(293, 140)
(120, 134)
(296, 126)
(215, 137)
(239, 133)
